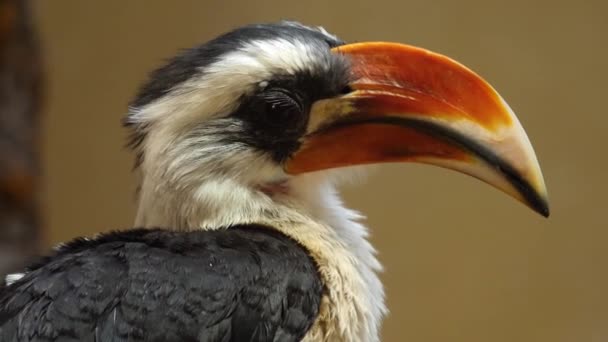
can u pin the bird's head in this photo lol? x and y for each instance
(264, 105)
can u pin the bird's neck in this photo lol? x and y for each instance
(305, 208)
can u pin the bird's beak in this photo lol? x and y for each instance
(410, 104)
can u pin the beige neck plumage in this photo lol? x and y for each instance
(312, 214)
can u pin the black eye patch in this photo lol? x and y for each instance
(281, 105)
(278, 109)
(276, 115)
(274, 119)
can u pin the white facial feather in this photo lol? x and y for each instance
(193, 179)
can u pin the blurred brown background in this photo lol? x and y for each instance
(463, 261)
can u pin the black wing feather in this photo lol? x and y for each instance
(245, 283)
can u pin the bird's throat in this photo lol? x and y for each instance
(274, 189)
(309, 211)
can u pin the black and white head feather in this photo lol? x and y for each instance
(235, 76)
(211, 130)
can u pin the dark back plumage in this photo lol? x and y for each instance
(158, 285)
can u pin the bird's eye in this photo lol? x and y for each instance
(274, 119)
(278, 108)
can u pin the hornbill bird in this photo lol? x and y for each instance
(240, 234)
